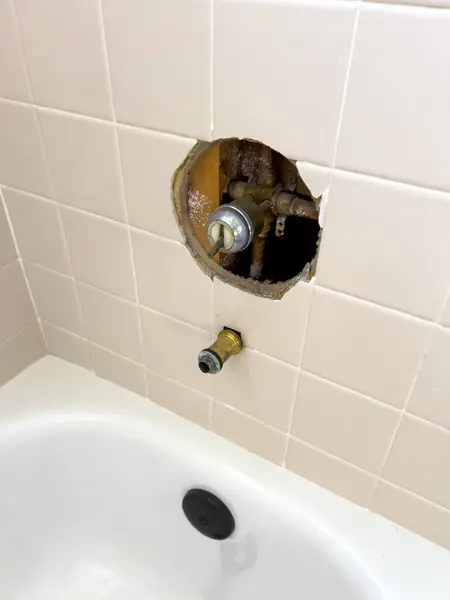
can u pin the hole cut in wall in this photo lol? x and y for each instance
(279, 213)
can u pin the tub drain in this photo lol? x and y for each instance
(208, 514)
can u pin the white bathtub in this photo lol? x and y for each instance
(92, 479)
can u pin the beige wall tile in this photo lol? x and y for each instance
(361, 346)
(13, 76)
(408, 272)
(274, 327)
(316, 177)
(343, 423)
(22, 162)
(161, 94)
(100, 252)
(307, 105)
(16, 310)
(249, 433)
(7, 249)
(410, 511)
(335, 475)
(171, 348)
(38, 230)
(83, 158)
(170, 281)
(419, 460)
(149, 161)
(430, 397)
(66, 345)
(55, 297)
(110, 322)
(259, 386)
(384, 130)
(20, 351)
(120, 370)
(184, 401)
(65, 55)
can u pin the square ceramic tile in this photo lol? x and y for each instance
(184, 401)
(249, 433)
(149, 162)
(84, 163)
(16, 310)
(38, 230)
(55, 298)
(363, 347)
(388, 243)
(65, 55)
(7, 248)
(160, 61)
(13, 76)
(395, 121)
(419, 460)
(100, 252)
(22, 162)
(66, 345)
(259, 386)
(430, 397)
(343, 423)
(110, 322)
(119, 370)
(20, 351)
(274, 327)
(335, 475)
(171, 348)
(170, 281)
(414, 513)
(273, 41)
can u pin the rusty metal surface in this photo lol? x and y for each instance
(291, 205)
(208, 171)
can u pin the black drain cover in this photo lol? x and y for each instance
(208, 514)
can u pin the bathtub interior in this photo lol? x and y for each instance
(91, 509)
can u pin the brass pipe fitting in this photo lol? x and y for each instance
(288, 205)
(212, 359)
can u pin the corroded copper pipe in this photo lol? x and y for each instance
(291, 205)
(283, 203)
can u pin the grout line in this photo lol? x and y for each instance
(94, 343)
(414, 495)
(72, 276)
(15, 334)
(376, 401)
(301, 370)
(347, 79)
(22, 268)
(106, 59)
(398, 312)
(374, 305)
(22, 52)
(290, 420)
(212, 42)
(62, 229)
(388, 179)
(403, 412)
(112, 123)
(334, 457)
(130, 247)
(143, 129)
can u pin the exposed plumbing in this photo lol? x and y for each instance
(233, 227)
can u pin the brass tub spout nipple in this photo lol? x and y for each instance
(212, 359)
